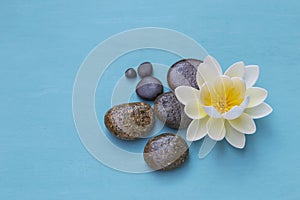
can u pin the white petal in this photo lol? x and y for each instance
(212, 112)
(209, 70)
(194, 110)
(200, 80)
(236, 70)
(205, 95)
(257, 96)
(236, 111)
(197, 129)
(234, 137)
(206, 147)
(185, 94)
(251, 75)
(216, 129)
(239, 86)
(259, 111)
(243, 124)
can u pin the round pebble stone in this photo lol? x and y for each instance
(130, 73)
(166, 152)
(170, 111)
(145, 69)
(184, 73)
(130, 121)
(149, 88)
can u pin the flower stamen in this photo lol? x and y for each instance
(224, 95)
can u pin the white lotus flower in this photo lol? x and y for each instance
(225, 105)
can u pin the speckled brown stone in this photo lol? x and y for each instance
(183, 72)
(166, 151)
(130, 121)
(170, 111)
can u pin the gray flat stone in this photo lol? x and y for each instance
(184, 73)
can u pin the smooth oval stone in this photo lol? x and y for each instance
(130, 121)
(170, 111)
(166, 151)
(145, 69)
(184, 73)
(130, 73)
(149, 88)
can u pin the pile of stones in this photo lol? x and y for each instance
(135, 120)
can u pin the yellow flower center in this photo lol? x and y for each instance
(224, 94)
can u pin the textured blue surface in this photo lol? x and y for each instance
(43, 43)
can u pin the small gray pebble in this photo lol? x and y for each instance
(170, 111)
(149, 88)
(130, 73)
(145, 69)
(166, 152)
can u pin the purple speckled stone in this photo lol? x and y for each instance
(170, 111)
(166, 152)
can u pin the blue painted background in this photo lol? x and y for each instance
(43, 43)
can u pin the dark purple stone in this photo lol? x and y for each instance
(149, 88)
